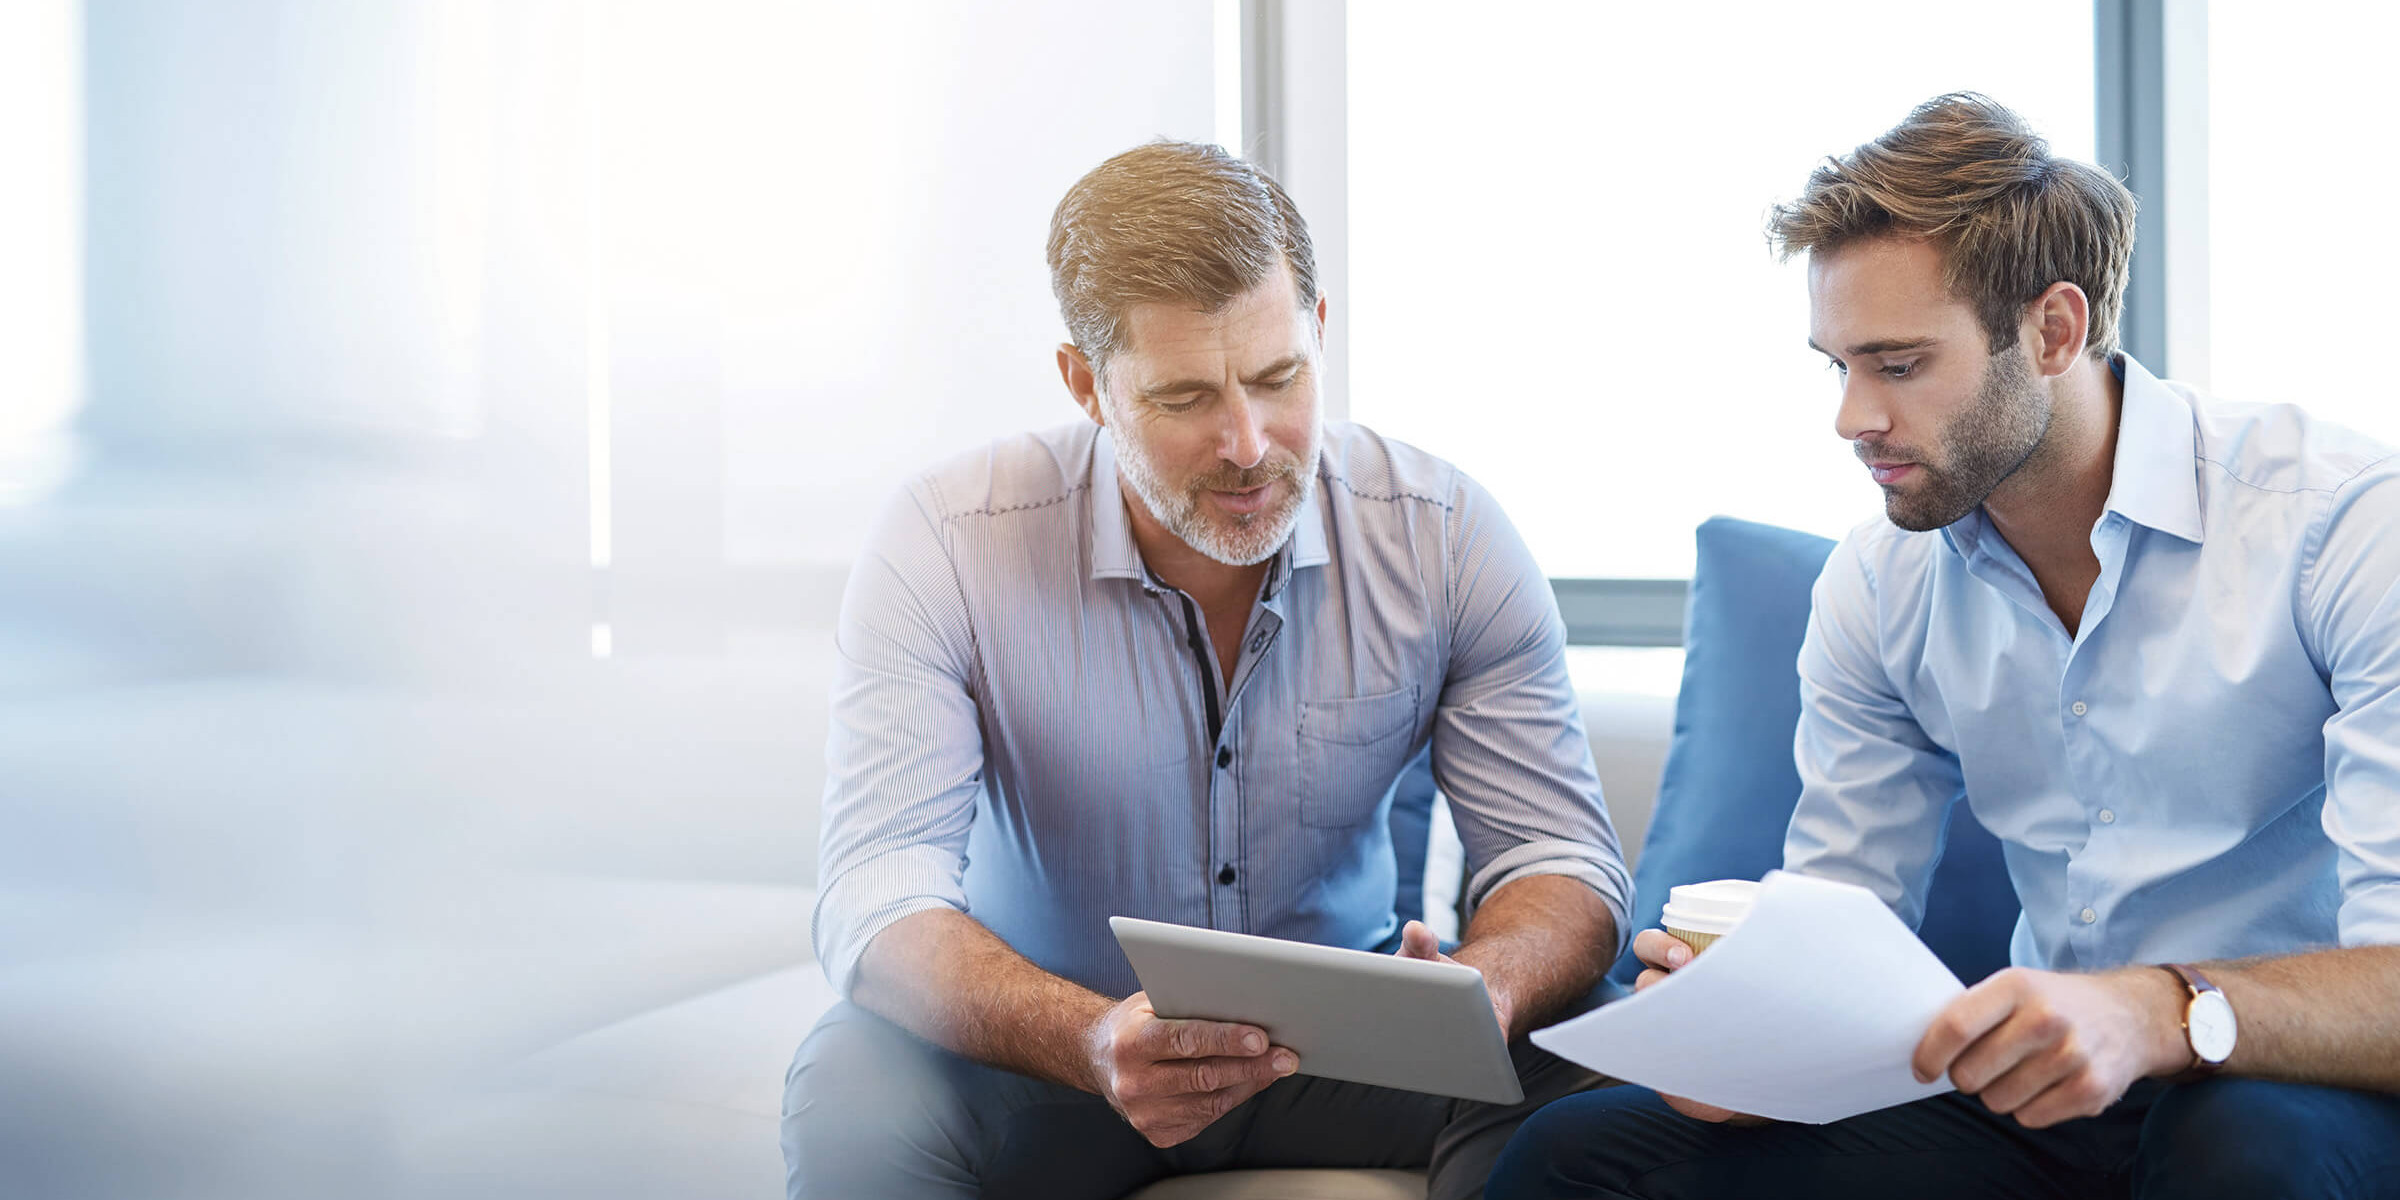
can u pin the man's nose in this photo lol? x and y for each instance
(1861, 413)
(1245, 439)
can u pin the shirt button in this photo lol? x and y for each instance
(1225, 874)
(2088, 915)
(2107, 817)
(2078, 709)
(1224, 757)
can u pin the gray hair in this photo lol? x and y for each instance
(1169, 222)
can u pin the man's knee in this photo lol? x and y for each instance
(866, 1112)
(1592, 1144)
(2256, 1138)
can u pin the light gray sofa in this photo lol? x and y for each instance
(469, 951)
(336, 869)
(681, 1100)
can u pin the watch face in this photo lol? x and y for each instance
(2210, 1018)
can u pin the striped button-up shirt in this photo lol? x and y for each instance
(1028, 726)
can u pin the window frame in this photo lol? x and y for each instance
(2150, 93)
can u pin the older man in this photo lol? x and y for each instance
(1167, 663)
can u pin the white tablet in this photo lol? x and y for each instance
(1349, 1014)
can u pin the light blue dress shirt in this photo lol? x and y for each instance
(2209, 767)
(1030, 727)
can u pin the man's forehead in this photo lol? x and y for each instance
(1878, 295)
(1247, 330)
(1882, 266)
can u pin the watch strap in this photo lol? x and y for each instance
(2192, 978)
(2197, 985)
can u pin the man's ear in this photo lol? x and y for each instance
(1320, 320)
(2060, 322)
(1082, 383)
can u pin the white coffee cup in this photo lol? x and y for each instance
(1697, 914)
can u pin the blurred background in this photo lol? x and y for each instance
(434, 433)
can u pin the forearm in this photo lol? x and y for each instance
(1540, 942)
(943, 976)
(2327, 1017)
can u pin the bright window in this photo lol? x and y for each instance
(2300, 166)
(41, 288)
(1559, 278)
(827, 223)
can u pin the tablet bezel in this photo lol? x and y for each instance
(1349, 1014)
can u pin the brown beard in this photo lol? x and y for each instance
(2002, 427)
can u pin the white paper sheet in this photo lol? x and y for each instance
(1808, 1011)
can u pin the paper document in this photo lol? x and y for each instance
(1808, 1011)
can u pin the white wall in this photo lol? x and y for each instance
(315, 793)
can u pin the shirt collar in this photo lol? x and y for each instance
(1115, 555)
(2156, 480)
(2153, 482)
(1306, 547)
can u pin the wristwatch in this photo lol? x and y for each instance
(2207, 1022)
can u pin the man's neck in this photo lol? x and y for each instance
(1215, 585)
(2047, 508)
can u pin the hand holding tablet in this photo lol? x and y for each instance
(1410, 1023)
(1172, 1078)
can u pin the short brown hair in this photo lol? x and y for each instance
(1169, 222)
(2011, 219)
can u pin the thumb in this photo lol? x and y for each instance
(1416, 941)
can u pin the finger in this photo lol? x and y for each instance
(1164, 1038)
(1647, 978)
(1966, 1019)
(2030, 1033)
(1698, 1111)
(2080, 1094)
(2033, 1075)
(1658, 948)
(1198, 1076)
(1174, 1122)
(1224, 1100)
(1416, 941)
(1186, 1118)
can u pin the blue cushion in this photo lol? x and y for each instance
(1730, 784)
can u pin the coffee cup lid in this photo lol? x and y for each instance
(1712, 907)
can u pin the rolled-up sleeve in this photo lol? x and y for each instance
(2350, 607)
(1875, 791)
(1508, 743)
(904, 756)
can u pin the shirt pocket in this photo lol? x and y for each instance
(1350, 751)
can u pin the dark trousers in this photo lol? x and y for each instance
(2226, 1137)
(870, 1110)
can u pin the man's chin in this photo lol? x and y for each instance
(1916, 515)
(1246, 553)
(1244, 541)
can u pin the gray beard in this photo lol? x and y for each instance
(1251, 539)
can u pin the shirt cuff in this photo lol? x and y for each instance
(1601, 873)
(870, 897)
